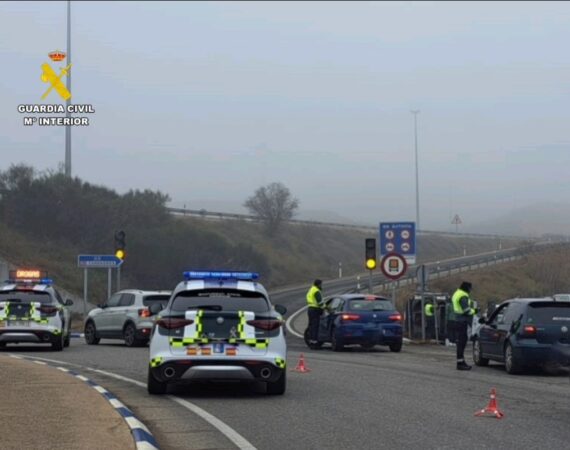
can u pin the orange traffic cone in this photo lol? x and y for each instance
(492, 407)
(301, 367)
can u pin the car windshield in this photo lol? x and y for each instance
(549, 313)
(370, 305)
(229, 300)
(25, 297)
(162, 299)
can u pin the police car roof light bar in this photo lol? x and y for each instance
(46, 281)
(220, 275)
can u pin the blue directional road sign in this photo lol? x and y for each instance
(98, 261)
(400, 238)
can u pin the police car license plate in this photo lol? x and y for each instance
(18, 323)
(218, 348)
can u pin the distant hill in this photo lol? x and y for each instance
(533, 220)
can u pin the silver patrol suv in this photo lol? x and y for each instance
(33, 311)
(218, 326)
(126, 315)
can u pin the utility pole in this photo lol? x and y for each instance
(415, 113)
(68, 101)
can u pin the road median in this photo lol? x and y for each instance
(43, 407)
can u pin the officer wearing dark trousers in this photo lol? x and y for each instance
(464, 312)
(314, 309)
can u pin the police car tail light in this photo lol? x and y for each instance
(395, 317)
(144, 312)
(265, 324)
(349, 317)
(172, 323)
(529, 330)
(48, 310)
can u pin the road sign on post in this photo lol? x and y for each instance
(399, 238)
(393, 266)
(87, 262)
(98, 261)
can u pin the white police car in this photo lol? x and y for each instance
(33, 311)
(218, 326)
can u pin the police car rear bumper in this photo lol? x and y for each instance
(31, 336)
(216, 370)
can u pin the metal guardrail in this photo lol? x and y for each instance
(250, 218)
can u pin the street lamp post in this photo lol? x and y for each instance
(415, 113)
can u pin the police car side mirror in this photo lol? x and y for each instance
(155, 308)
(482, 320)
(280, 309)
(68, 302)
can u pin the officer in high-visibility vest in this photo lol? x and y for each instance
(430, 321)
(314, 309)
(464, 312)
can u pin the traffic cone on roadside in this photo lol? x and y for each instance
(301, 367)
(492, 407)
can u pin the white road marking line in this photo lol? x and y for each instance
(237, 439)
(40, 362)
(82, 378)
(226, 430)
(290, 320)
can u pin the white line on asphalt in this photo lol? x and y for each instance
(230, 433)
(290, 320)
(237, 439)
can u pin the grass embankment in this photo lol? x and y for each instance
(535, 275)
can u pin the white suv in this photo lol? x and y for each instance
(218, 326)
(126, 315)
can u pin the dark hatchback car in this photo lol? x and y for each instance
(367, 320)
(524, 333)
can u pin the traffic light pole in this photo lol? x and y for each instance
(370, 282)
(118, 278)
(109, 283)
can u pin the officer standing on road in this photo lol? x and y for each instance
(464, 312)
(314, 304)
(430, 322)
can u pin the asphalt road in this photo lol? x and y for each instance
(350, 400)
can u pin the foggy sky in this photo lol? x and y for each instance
(207, 101)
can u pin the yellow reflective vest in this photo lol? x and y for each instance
(312, 301)
(462, 312)
(428, 309)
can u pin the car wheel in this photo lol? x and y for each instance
(154, 386)
(336, 342)
(90, 333)
(367, 346)
(477, 355)
(396, 348)
(277, 387)
(311, 346)
(512, 365)
(130, 336)
(58, 344)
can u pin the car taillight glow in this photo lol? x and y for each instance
(145, 312)
(349, 317)
(265, 324)
(395, 317)
(48, 309)
(529, 330)
(173, 323)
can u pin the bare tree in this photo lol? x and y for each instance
(272, 204)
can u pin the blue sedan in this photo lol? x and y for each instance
(525, 332)
(366, 320)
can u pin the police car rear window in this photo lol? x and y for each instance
(221, 301)
(370, 305)
(549, 313)
(25, 297)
